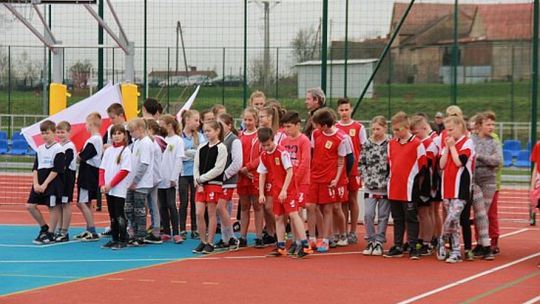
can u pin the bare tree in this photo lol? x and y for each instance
(80, 73)
(306, 44)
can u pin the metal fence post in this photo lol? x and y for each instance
(9, 91)
(455, 51)
(223, 79)
(534, 76)
(324, 44)
(346, 51)
(245, 56)
(277, 72)
(168, 79)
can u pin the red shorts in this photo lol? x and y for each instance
(354, 183)
(322, 194)
(227, 194)
(210, 194)
(268, 189)
(290, 205)
(303, 193)
(248, 191)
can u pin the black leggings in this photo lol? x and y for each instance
(118, 218)
(168, 211)
(186, 191)
(465, 223)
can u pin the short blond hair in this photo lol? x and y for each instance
(380, 120)
(454, 111)
(456, 120)
(137, 123)
(95, 119)
(64, 126)
(256, 94)
(418, 121)
(400, 119)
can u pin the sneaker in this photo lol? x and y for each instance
(236, 226)
(183, 234)
(60, 238)
(178, 239)
(152, 239)
(292, 250)
(44, 238)
(332, 243)
(119, 245)
(324, 247)
(108, 245)
(303, 252)
(488, 254)
(106, 233)
(313, 245)
(208, 248)
(478, 251)
(165, 237)
(369, 249)
(90, 237)
(242, 242)
(194, 235)
(414, 254)
(234, 244)
(352, 238)
(442, 253)
(394, 252)
(343, 242)
(221, 246)
(82, 235)
(406, 247)
(199, 248)
(268, 240)
(495, 250)
(135, 243)
(453, 259)
(469, 255)
(377, 249)
(277, 252)
(259, 244)
(425, 250)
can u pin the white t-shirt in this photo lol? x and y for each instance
(158, 155)
(142, 153)
(110, 164)
(97, 141)
(171, 161)
(66, 146)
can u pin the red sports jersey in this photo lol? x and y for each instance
(432, 153)
(433, 134)
(251, 150)
(300, 151)
(456, 181)
(405, 161)
(275, 165)
(357, 133)
(440, 141)
(535, 156)
(326, 150)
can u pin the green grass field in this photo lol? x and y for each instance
(429, 98)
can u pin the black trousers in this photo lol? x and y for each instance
(405, 214)
(168, 211)
(186, 192)
(118, 218)
(465, 222)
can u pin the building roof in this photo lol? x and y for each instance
(504, 21)
(164, 74)
(338, 62)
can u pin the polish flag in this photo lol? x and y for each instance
(187, 104)
(76, 116)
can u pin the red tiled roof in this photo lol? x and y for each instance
(508, 21)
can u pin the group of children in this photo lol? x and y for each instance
(278, 171)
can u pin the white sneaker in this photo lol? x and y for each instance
(342, 242)
(369, 249)
(377, 249)
(442, 254)
(453, 259)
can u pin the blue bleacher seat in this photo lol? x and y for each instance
(3, 135)
(514, 146)
(31, 152)
(507, 158)
(19, 147)
(529, 146)
(3, 146)
(523, 159)
(17, 136)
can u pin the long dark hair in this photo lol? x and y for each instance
(120, 128)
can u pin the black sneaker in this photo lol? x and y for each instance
(259, 244)
(405, 247)
(425, 250)
(152, 239)
(194, 235)
(183, 234)
(90, 237)
(60, 238)
(38, 239)
(135, 243)
(488, 254)
(108, 245)
(332, 243)
(303, 252)
(234, 244)
(394, 252)
(208, 248)
(107, 232)
(269, 240)
(242, 242)
(495, 250)
(199, 248)
(236, 226)
(44, 238)
(292, 250)
(119, 245)
(414, 254)
(221, 246)
(478, 251)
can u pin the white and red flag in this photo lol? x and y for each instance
(76, 115)
(188, 104)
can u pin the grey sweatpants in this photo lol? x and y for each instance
(153, 208)
(382, 206)
(136, 213)
(482, 198)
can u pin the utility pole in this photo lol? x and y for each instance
(266, 5)
(177, 44)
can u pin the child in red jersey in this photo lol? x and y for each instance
(328, 187)
(248, 178)
(298, 146)
(457, 163)
(358, 136)
(535, 180)
(406, 159)
(421, 129)
(276, 162)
